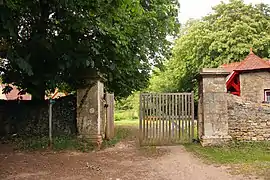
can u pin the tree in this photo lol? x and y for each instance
(224, 36)
(52, 42)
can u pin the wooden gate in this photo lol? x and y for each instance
(109, 116)
(166, 118)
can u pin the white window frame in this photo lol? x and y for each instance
(265, 95)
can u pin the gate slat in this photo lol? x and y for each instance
(179, 117)
(189, 117)
(163, 117)
(150, 120)
(141, 120)
(182, 116)
(159, 118)
(173, 117)
(166, 117)
(156, 117)
(185, 117)
(170, 116)
(155, 121)
(192, 115)
(176, 117)
(146, 118)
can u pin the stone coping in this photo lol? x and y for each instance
(214, 71)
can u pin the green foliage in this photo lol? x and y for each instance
(51, 43)
(131, 102)
(128, 108)
(224, 36)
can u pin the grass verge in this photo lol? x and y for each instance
(244, 157)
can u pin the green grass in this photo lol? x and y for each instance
(244, 157)
(121, 133)
(134, 122)
(126, 118)
(125, 115)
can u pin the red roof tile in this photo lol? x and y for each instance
(230, 67)
(251, 62)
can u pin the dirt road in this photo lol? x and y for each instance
(122, 162)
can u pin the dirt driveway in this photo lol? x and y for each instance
(122, 162)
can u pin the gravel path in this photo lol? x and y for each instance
(123, 162)
(181, 165)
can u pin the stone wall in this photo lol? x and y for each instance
(223, 116)
(248, 120)
(253, 85)
(30, 118)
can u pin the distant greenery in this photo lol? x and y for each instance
(245, 157)
(129, 114)
(131, 102)
(226, 35)
(128, 109)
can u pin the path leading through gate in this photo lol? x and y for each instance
(166, 118)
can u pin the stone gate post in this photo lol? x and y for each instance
(213, 114)
(90, 110)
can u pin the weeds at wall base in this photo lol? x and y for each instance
(60, 143)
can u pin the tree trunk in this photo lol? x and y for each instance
(38, 94)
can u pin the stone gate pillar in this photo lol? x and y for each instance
(213, 114)
(90, 110)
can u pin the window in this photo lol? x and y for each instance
(267, 95)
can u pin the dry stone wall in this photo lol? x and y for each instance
(30, 118)
(248, 121)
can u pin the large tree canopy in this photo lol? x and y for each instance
(48, 43)
(224, 36)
